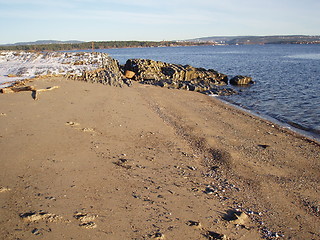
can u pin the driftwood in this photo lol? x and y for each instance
(35, 92)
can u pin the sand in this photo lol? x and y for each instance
(87, 161)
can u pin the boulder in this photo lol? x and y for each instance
(129, 74)
(241, 80)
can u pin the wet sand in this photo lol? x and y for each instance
(87, 161)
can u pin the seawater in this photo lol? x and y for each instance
(287, 76)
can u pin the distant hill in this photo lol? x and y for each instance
(54, 45)
(279, 39)
(42, 42)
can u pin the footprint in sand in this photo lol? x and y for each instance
(35, 216)
(215, 236)
(88, 130)
(86, 219)
(76, 125)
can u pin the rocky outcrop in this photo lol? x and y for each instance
(162, 74)
(175, 76)
(146, 69)
(241, 80)
(109, 74)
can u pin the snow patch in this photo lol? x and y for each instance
(18, 65)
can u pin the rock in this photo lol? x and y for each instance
(194, 224)
(236, 217)
(158, 236)
(129, 74)
(4, 189)
(241, 219)
(241, 80)
(109, 74)
(174, 76)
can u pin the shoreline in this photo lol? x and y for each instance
(309, 135)
(93, 161)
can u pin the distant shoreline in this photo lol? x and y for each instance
(51, 45)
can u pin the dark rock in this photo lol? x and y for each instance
(174, 75)
(220, 91)
(241, 80)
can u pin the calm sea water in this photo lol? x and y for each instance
(287, 76)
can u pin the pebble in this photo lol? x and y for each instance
(195, 224)
(158, 235)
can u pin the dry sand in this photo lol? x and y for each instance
(87, 161)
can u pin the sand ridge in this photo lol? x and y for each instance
(150, 163)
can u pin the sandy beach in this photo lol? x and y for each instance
(88, 161)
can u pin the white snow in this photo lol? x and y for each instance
(18, 65)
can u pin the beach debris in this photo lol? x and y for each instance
(14, 89)
(3, 114)
(35, 92)
(86, 219)
(35, 216)
(4, 189)
(214, 236)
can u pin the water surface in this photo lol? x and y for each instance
(287, 76)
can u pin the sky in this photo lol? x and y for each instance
(154, 20)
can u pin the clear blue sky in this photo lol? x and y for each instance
(87, 20)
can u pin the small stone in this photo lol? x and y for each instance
(129, 74)
(36, 231)
(192, 168)
(4, 189)
(194, 224)
(241, 80)
(158, 235)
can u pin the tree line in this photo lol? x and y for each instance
(98, 45)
